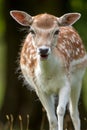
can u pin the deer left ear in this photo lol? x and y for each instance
(68, 19)
(22, 17)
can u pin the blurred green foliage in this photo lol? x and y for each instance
(2, 72)
(2, 55)
(80, 5)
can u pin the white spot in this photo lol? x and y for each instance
(34, 57)
(77, 42)
(82, 51)
(67, 52)
(64, 41)
(73, 39)
(29, 62)
(32, 51)
(78, 50)
(62, 46)
(28, 49)
(65, 36)
(30, 56)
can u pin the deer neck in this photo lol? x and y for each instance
(49, 66)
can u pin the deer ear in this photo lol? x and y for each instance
(68, 19)
(22, 17)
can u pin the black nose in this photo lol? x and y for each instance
(43, 51)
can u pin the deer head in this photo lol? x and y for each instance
(44, 29)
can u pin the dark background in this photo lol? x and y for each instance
(15, 98)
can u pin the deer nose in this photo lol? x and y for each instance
(43, 50)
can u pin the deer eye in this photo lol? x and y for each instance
(56, 32)
(32, 31)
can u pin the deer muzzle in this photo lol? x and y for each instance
(43, 52)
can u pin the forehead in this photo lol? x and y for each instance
(45, 21)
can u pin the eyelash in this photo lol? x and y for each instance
(32, 31)
(56, 32)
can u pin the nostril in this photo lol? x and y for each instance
(43, 51)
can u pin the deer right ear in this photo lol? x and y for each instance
(68, 19)
(22, 17)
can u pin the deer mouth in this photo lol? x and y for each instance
(43, 56)
(43, 52)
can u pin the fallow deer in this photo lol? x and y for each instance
(53, 61)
